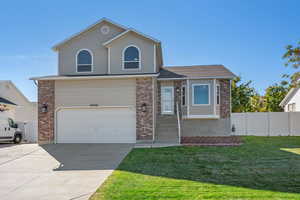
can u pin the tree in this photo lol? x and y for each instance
(241, 95)
(258, 103)
(274, 95)
(292, 56)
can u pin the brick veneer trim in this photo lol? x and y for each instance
(225, 98)
(144, 120)
(46, 95)
(211, 140)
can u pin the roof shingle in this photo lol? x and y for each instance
(197, 71)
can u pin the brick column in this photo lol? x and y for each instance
(46, 95)
(225, 98)
(144, 120)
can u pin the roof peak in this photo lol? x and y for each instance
(104, 19)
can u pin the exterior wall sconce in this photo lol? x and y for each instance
(44, 108)
(144, 107)
(177, 89)
(3, 108)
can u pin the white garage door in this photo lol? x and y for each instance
(103, 125)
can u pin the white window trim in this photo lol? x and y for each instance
(161, 101)
(218, 85)
(92, 64)
(183, 86)
(123, 58)
(199, 84)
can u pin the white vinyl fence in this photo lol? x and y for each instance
(266, 123)
(30, 131)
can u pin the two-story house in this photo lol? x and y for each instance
(112, 87)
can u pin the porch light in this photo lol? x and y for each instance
(144, 107)
(44, 108)
(177, 89)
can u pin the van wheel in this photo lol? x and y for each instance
(17, 139)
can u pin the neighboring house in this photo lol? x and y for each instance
(291, 102)
(112, 87)
(21, 109)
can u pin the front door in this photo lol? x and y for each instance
(167, 100)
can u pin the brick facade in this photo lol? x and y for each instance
(144, 120)
(225, 98)
(46, 95)
(212, 141)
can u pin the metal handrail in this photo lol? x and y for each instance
(178, 123)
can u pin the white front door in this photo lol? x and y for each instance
(167, 100)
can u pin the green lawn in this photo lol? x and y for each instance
(262, 168)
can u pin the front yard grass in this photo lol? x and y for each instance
(263, 168)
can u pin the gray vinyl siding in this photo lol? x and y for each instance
(147, 54)
(113, 92)
(91, 40)
(201, 109)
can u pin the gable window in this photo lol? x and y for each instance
(200, 94)
(218, 94)
(131, 58)
(84, 60)
(183, 91)
(291, 107)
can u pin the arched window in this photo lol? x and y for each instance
(84, 60)
(131, 58)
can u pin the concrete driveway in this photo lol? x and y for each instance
(57, 171)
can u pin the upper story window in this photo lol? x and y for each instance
(131, 58)
(200, 94)
(84, 60)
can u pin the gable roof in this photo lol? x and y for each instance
(15, 88)
(55, 47)
(7, 102)
(128, 31)
(289, 96)
(197, 71)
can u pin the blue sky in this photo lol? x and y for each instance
(246, 36)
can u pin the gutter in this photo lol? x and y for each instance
(92, 77)
(191, 78)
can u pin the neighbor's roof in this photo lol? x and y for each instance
(9, 82)
(196, 71)
(289, 96)
(7, 102)
(126, 30)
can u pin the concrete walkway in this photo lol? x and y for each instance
(61, 171)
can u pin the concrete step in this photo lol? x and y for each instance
(163, 126)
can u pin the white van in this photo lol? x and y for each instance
(9, 131)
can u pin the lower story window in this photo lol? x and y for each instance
(183, 90)
(200, 94)
(218, 94)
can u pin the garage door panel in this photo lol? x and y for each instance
(108, 125)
